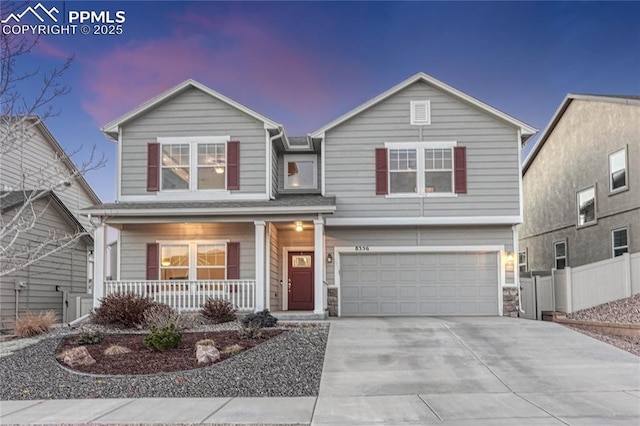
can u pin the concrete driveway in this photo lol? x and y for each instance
(472, 371)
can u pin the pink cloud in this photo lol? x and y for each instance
(238, 57)
(45, 48)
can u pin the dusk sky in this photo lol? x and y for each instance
(303, 64)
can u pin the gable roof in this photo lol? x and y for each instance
(14, 199)
(57, 148)
(623, 99)
(526, 130)
(111, 129)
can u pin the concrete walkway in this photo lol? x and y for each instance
(412, 371)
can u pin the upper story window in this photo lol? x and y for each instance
(403, 171)
(619, 241)
(194, 163)
(618, 170)
(560, 254)
(302, 171)
(422, 168)
(420, 113)
(587, 206)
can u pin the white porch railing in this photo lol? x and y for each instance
(189, 295)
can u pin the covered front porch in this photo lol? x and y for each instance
(274, 261)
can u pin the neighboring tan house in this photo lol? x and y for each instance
(581, 185)
(33, 166)
(407, 205)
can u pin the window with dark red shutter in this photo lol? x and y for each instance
(233, 165)
(460, 169)
(153, 166)
(153, 261)
(382, 179)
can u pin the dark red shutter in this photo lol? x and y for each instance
(382, 179)
(460, 169)
(153, 167)
(153, 261)
(233, 165)
(233, 261)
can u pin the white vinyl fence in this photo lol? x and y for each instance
(582, 287)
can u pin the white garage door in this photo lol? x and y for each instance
(429, 284)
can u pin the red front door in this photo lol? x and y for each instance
(300, 281)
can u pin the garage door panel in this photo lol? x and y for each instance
(419, 284)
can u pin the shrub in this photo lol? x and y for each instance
(122, 310)
(116, 350)
(249, 331)
(31, 324)
(90, 338)
(162, 316)
(232, 350)
(163, 339)
(218, 310)
(261, 319)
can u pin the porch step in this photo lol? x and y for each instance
(299, 316)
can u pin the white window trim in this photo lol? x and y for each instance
(193, 253)
(193, 142)
(613, 247)
(302, 157)
(420, 181)
(555, 257)
(595, 207)
(427, 105)
(626, 172)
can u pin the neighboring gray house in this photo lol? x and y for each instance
(34, 165)
(581, 185)
(407, 205)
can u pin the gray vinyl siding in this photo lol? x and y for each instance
(275, 289)
(492, 158)
(417, 237)
(576, 156)
(134, 239)
(193, 113)
(33, 164)
(66, 268)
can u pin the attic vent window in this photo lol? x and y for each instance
(420, 113)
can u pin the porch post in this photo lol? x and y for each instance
(318, 265)
(99, 262)
(259, 296)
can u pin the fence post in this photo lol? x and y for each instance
(627, 273)
(569, 283)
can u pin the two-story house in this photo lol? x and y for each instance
(581, 185)
(406, 205)
(41, 195)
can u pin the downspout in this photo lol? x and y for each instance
(271, 139)
(516, 271)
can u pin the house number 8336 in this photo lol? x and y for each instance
(362, 248)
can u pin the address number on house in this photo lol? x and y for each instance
(362, 248)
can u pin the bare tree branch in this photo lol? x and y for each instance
(31, 187)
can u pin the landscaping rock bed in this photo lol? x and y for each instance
(287, 365)
(623, 311)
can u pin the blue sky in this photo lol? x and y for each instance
(305, 63)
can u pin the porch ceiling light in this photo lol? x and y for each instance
(299, 226)
(166, 262)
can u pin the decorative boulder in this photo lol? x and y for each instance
(207, 354)
(77, 356)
